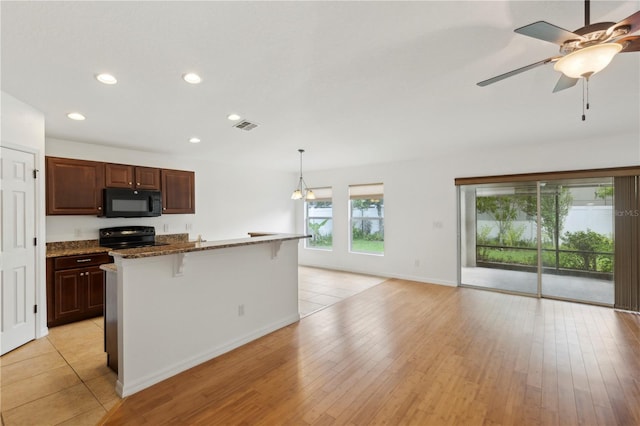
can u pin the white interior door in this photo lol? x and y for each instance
(17, 250)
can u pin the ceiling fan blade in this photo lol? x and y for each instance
(516, 71)
(633, 22)
(630, 44)
(543, 30)
(564, 83)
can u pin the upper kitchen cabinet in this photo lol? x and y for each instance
(178, 191)
(74, 186)
(135, 177)
(147, 178)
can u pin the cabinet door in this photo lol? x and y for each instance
(147, 178)
(118, 176)
(74, 186)
(68, 294)
(94, 298)
(178, 191)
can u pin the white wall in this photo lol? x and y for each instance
(23, 128)
(229, 201)
(420, 202)
(215, 304)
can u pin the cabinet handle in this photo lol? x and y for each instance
(99, 208)
(138, 183)
(83, 260)
(164, 208)
(129, 183)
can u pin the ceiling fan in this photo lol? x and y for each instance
(584, 51)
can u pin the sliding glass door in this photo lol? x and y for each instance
(550, 238)
(499, 244)
(577, 217)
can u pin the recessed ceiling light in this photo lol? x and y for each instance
(106, 78)
(76, 116)
(233, 117)
(192, 78)
(194, 140)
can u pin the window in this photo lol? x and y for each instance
(367, 218)
(319, 220)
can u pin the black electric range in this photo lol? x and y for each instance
(124, 237)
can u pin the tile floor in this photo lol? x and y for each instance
(62, 379)
(319, 288)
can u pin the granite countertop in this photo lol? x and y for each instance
(81, 247)
(109, 267)
(187, 247)
(73, 248)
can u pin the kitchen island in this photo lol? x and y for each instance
(173, 307)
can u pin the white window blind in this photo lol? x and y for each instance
(368, 191)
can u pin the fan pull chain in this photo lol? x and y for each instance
(585, 97)
(583, 102)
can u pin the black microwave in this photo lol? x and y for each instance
(119, 202)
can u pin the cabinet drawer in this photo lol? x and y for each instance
(81, 261)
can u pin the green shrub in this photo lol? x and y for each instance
(586, 243)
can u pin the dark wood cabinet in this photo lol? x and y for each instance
(75, 288)
(178, 191)
(74, 186)
(147, 178)
(118, 176)
(135, 177)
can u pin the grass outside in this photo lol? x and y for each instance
(367, 246)
(323, 244)
(519, 257)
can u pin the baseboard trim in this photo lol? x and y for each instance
(126, 389)
(416, 278)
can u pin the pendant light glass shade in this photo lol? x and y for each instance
(587, 61)
(302, 192)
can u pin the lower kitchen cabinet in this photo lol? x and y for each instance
(75, 288)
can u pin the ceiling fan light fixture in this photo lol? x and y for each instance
(585, 62)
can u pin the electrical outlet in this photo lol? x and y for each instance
(165, 227)
(77, 232)
(240, 310)
(188, 227)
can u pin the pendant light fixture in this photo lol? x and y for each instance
(302, 191)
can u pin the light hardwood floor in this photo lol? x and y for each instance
(63, 379)
(408, 353)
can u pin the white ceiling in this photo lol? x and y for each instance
(351, 82)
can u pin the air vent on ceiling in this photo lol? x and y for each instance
(245, 125)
